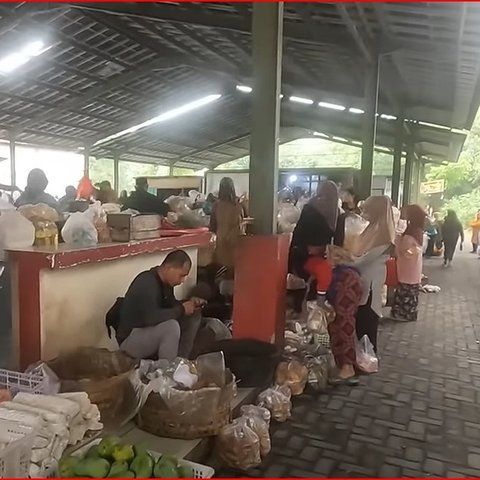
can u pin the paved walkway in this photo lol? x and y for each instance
(419, 416)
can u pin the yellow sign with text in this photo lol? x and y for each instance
(433, 186)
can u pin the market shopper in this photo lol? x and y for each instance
(320, 223)
(226, 221)
(67, 199)
(143, 201)
(373, 250)
(452, 229)
(35, 190)
(152, 322)
(475, 226)
(409, 266)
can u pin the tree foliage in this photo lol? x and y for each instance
(462, 179)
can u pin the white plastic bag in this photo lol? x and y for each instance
(15, 231)
(367, 360)
(79, 230)
(354, 226)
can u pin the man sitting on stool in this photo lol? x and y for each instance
(152, 322)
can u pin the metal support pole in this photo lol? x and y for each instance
(267, 32)
(407, 180)
(13, 164)
(397, 162)
(86, 160)
(369, 127)
(116, 162)
(171, 170)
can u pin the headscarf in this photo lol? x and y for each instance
(325, 202)
(381, 228)
(36, 182)
(416, 222)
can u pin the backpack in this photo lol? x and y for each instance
(112, 319)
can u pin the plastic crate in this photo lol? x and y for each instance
(22, 382)
(199, 471)
(17, 450)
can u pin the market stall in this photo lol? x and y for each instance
(60, 295)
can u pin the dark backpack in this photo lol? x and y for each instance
(112, 319)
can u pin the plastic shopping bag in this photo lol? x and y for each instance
(367, 360)
(79, 230)
(238, 446)
(15, 231)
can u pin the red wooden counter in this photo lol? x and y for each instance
(60, 295)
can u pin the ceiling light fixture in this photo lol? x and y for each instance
(11, 62)
(331, 106)
(168, 115)
(244, 88)
(305, 101)
(355, 110)
(385, 116)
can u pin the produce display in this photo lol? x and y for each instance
(110, 458)
(59, 420)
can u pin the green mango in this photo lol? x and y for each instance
(185, 471)
(139, 450)
(142, 465)
(123, 453)
(66, 466)
(93, 452)
(117, 470)
(128, 474)
(92, 468)
(106, 446)
(166, 471)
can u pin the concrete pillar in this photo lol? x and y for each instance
(267, 30)
(86, 160)
(397, 162)
(13, 165)
(171, 170)
(116, 162)
(407, 180)
(369, 128)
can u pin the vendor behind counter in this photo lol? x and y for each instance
(144, 202)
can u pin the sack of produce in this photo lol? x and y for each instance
(277, 401)
(15, 231)
(367, 360)
(238, 446)
(261, 428)
(79, 230)
(292, 374)
(318, 371)
(317, 320)
(262, 412)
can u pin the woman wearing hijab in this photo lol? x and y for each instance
(451, 230)
(226, 221)
(373, 250)
(319, 225)
(35, 190)
(409, 266)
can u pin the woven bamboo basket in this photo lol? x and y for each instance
(102, 374)
(188, 414)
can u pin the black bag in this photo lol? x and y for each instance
(112, 319)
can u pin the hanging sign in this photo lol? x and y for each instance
(433, 186)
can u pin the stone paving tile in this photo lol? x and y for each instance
(419, 416)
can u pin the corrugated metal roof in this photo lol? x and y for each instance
(111, 66)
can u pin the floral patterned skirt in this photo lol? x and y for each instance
(405, 303)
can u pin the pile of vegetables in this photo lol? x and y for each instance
(113, 459)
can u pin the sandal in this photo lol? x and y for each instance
(349, 381)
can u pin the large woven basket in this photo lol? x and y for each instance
(103, 374)
(189, 414)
